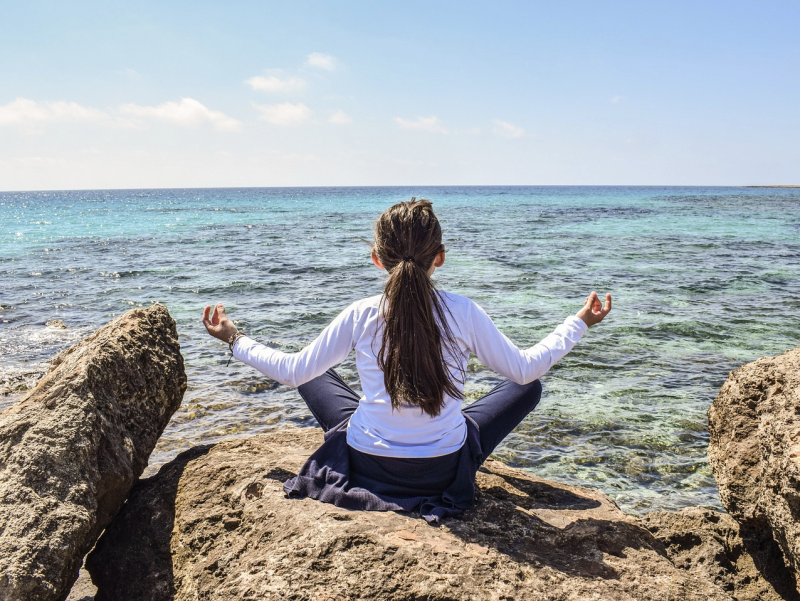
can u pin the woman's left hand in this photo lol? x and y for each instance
(217, 323)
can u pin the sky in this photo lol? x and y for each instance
(345, 93)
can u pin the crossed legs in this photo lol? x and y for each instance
(331, 401)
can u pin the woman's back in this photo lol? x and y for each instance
(406, 431)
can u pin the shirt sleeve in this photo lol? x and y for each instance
(497, 352)
(293, 369)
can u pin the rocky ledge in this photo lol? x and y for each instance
(215, 524)
(71, 449)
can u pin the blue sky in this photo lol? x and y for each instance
(180, 94)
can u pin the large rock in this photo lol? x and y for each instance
(747, 563)
(73, 447)
(754, 448)
(214, 524)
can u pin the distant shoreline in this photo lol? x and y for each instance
(770, 186)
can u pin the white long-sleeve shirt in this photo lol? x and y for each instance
(375, 428)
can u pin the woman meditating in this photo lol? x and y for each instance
(407, 444)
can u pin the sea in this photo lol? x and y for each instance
(703, 279)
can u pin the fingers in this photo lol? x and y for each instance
(211, 319)
(207, 319)
(607, 308)
(219, 314)
(590, 300)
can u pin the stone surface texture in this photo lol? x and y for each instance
(748, 564)
(754, 448)
(215, 524)
(83, 589)
(73, 447)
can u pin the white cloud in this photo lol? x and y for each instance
(340, 118)
(273, 83)
(187, 112)
(26, 112)
(323, 61)
(284, 114)
(429, 124)
(507, 130)
(616, 99)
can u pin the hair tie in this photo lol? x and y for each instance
(408, 259)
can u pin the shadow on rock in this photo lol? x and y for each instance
(136, 546)
(744, 561)
(539, 494)
(565, 528)
(769, 560)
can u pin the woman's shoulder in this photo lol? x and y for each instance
(455, 300)
(460, 307)
(365, 305)
(360, 312)
(370, 301)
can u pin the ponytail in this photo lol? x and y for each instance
(416, 334)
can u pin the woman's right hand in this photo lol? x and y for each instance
(217, 323)
(593, 311)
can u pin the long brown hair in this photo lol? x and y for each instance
(416, 335)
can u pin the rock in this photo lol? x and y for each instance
(754, 448)
(215, 524)
(746, 563)
(56, 323)
(83, 589)
(73, 447)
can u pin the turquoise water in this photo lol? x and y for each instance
(703, 280)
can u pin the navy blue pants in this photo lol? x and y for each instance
(331, 401)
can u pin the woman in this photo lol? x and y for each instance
(407, 445)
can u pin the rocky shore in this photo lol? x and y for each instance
(214, 522)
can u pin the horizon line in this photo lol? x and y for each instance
(775, 186)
